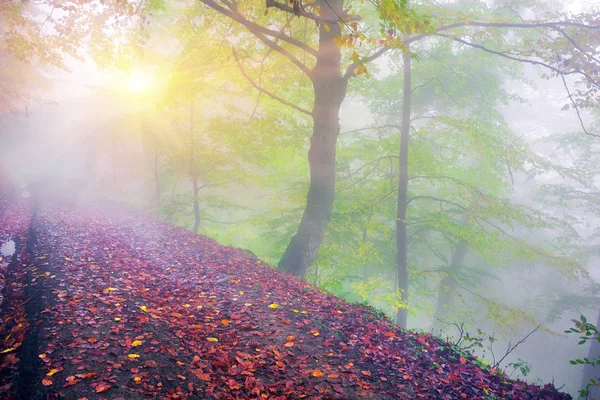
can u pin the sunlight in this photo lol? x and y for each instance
(139, 81)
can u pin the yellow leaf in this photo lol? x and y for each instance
(212, 339)
(274, 305)
(53, 371)
(248, 304)
(117, 319)
(137, 379)
(317, 373)
(327, 27)
(303, 312)
(144, 308)
(187, 305)
(133, 356)
(136, 343)
(295, 311)
(7, 350)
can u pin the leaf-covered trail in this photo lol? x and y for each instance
(116, 305)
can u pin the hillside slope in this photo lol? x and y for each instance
(104, 303)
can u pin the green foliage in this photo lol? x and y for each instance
(588, 332)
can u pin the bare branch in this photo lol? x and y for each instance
(365, 176)
(380, 127)
(458, 181)
(511, 349)
(576, 108)
(523, 60)
(551, 25)
(268, 93)
(436, 199)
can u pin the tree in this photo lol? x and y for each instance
(560, 53)
(329, 85)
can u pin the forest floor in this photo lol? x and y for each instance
(102, 302)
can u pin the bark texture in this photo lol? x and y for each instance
(330, 89)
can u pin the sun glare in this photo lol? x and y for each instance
(139, 82)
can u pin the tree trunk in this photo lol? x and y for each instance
(448, 285)
(194, 172)
(590, 372)
(401, 256)
(330, 89)
(157, 181)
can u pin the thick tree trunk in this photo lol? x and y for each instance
(330, 89)
(194, 172)
(401, 256)
(447, 286)
(590, 372)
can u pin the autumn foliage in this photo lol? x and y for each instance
(106, 303)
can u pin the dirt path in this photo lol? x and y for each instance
(119, 306)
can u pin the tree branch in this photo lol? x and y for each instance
(377, 162)
(437, 199)
(302, 13)
(268, 93)
(576, 108)
(390, 126)
(261, 32)
(350, 71)
(523, 60)
(458, 181)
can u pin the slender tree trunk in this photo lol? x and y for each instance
(590, 372)
(330, 89)
(157, 181)
(448, 284)
(194, 172)
(401, 256)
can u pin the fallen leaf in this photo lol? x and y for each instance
(317, 373)
(47, 382)
(102, 387)
(274, 305)
(53, 371)
(133, 356)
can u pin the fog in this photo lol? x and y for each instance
(206, 125)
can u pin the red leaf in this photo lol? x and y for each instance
(102, 387)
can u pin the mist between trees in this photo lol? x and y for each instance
(438, 160)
